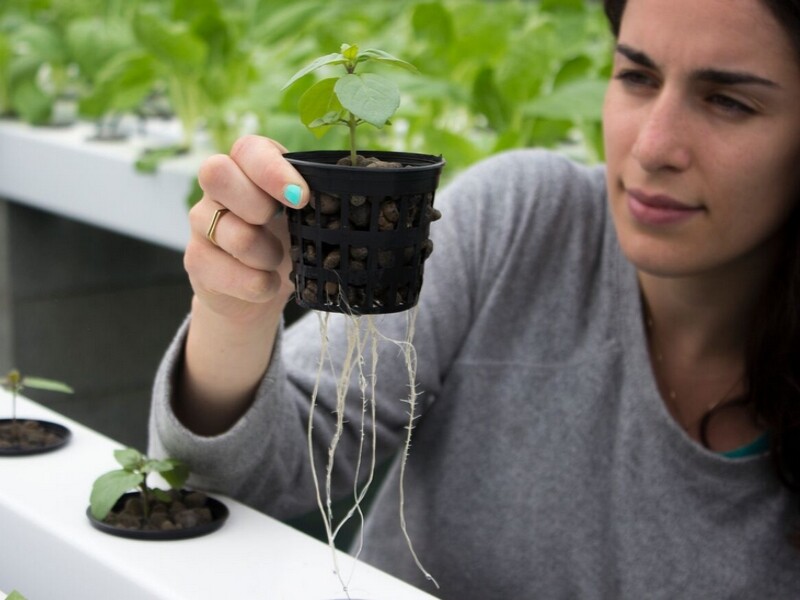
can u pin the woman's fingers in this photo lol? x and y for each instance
(253, 245)
(223, 181)
(237, 256)
(261, 159)
(215, 274)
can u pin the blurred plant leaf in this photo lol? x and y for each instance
(94, 41)
(577, 100)
(433, 22)
(488, 100)
(121, 85)
(170, 42)
(386, 58)
(174, 472)
(50, 385)
(5, 73)
(129, 458)
(31, 103)
(150, 158)
(334, 58)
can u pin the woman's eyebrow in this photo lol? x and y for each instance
(732, 78)
(706, 75)
(637, 56)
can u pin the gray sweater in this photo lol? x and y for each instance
(545, 464)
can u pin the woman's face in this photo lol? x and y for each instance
(702, 130)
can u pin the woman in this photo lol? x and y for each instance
(606, 354)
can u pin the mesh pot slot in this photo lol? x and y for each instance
(360, 244)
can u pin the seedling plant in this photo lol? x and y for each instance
(15, 382)
(351, 98)
(111, 486)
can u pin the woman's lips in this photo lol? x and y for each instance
(658, 209)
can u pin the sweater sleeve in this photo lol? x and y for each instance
(230, 462)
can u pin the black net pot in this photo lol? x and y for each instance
(360, 244)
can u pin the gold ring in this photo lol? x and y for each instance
(214, 220)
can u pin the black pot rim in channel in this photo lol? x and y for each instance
(62, 432)
(219, 514)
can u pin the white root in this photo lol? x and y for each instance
(359, 341)
(410, 356)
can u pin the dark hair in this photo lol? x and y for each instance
(772, 359)
(787, 13)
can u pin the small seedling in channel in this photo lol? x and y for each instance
(15, 382)
(351, 98)
(136, 467)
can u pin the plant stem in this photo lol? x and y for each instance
(145, 499)
(15, 434)
(351, 125)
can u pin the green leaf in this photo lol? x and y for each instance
(576, 100)
(432, 21)
(369, 97)
(177, 475)
(171, 43)
(161, 495)
(129, 458)
(174, 472)
(454, 147)
(39, 383)
(281, 22)
(93, 41)
(15, 595)
(157, 465)
(109, 488)
(573, 70)
(195, 193)
(31, 103)
(5, 68)
(488, 100)
(349, 51)
(185, 10)
(385, 57)
(593, 136)
(319, 126)
(149, 160)
(560, 5)
(547, 133)
(42, 42)
(328, 59)
(319, 106)
(121, 85)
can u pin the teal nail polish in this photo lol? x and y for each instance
(293, 194)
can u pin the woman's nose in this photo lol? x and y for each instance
(663, 138)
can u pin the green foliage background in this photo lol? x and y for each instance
(495, 74)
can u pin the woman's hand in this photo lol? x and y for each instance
(238, 264)
(243, 267)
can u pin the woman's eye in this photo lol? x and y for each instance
(635, 78)
(729, 105)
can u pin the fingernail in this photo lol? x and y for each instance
(293, 194)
